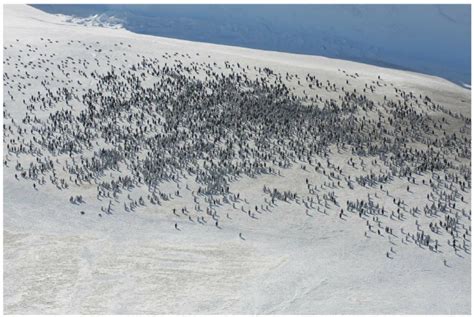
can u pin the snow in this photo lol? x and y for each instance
(57, 261)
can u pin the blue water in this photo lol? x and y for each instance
(432, 39)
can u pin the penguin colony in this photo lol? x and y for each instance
(139, 133)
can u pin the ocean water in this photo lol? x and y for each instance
(431, 39)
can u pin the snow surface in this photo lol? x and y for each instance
(57, 261)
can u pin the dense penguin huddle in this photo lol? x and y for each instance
(150, 131)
